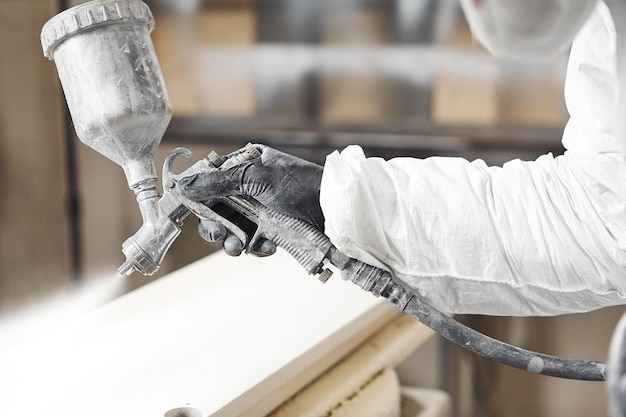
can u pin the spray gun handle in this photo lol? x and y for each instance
(251, 222)
(163, 217)
(202, 211)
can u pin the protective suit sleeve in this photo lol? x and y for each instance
(540, 237)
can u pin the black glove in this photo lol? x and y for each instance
(277, 180)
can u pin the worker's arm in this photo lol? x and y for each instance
(530, 238)
(524, 239)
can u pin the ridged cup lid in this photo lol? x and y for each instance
(89, 15)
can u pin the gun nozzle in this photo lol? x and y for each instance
(127, 268)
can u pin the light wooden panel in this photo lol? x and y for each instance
(228, 336)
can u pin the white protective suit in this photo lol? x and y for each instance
(542, 237)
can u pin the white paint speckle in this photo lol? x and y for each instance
(535, 365)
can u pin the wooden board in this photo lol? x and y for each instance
(227, 336)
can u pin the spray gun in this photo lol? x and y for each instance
(120, 107)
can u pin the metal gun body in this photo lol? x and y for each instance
(242, 216)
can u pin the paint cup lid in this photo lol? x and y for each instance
(89, 15)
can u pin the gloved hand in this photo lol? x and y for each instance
(277, 180)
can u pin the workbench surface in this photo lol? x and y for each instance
(224, 336)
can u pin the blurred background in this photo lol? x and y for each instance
(398, 77)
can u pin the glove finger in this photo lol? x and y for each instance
(212, 231)
(232, 245)
(264, 248)
(209, 185)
